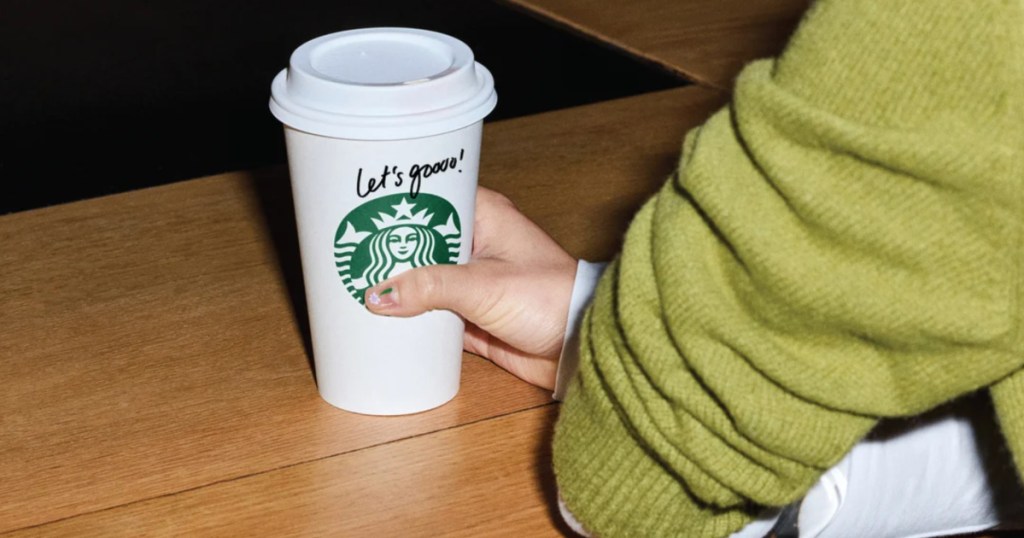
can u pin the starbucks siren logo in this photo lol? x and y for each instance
(392, 234)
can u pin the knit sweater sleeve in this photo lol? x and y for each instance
(839, 245)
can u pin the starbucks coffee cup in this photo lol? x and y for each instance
(382, 127)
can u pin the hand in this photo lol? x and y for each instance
(514, 292)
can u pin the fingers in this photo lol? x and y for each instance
(487, 197)
(460, 288)
(494, 213)
(503, 232)
(536, 370)
(476, 340)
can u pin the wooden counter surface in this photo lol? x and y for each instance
(155, 370)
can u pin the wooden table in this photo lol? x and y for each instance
(154, 354)
(706, 41)
(156, 375)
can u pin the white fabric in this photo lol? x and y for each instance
(942, 474)
(570, 520)
(587, 275)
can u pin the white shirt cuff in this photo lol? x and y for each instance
(587, 275)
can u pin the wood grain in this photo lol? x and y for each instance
(487, 479)
(150, 346)
(153, 342)
(707, 41)
(582, 173)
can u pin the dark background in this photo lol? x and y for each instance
(112, 95)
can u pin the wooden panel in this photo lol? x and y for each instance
(150, 346)
(487, 479)
(153, 341)
(707, 41)
(581, 174)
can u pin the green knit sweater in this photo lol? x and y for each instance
(839, 245)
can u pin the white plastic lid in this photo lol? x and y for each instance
(382, 84)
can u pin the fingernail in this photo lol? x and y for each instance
(383, 298)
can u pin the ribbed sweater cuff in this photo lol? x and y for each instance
(615, 487)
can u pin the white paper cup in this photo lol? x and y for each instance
(383, 130)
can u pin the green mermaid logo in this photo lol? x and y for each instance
(392, 234)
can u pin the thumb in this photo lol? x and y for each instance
(458, 288)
